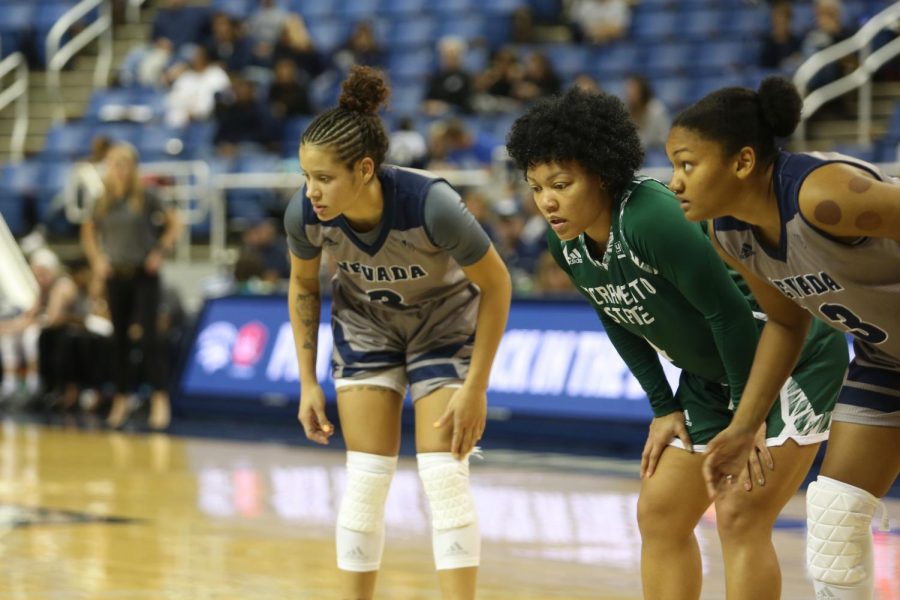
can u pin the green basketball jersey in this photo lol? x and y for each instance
(659, 287)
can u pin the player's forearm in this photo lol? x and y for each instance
(304, 304)
(776, 355)
(493, 311)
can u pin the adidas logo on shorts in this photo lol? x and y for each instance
(455, 550)
(356, 553)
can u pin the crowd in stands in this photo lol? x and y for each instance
(253, 73)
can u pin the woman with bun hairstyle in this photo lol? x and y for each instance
(662, 293)
(419, 301)
(816, 238)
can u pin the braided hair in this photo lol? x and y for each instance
(353, 128)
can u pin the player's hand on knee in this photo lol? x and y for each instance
(662, 430)
(312, 416)
(467, 412)
(759, 456)
(727, 456)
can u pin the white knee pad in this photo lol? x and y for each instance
(456, 539)
(839, 539)
(360, 522)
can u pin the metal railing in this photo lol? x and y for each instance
(58, 55)
(18, 93)
(861, 78)
(133, 10)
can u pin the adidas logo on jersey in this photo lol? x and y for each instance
(573, 257)
(455, 550)
(746, 251)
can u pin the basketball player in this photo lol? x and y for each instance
(814, 236)
(659, 289)
(420, 299)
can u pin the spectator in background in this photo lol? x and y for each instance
(265, 241)
(478, 205)
(648, 113)
(587, 83)
(538, 80)
(465, 149)
(20, 335)
(598, 21)
(229, 43)
(407, 146)
(361, 48)
(829, 30)
(549, 279)
(520, 257)
(192, 97)
(176, 29)
(126, 239)
(264, 28)
(241, 119)
(296, 44)
(496, 85)
(75, 350)
(781, 46)
(451, 86)
(523, 26)
(289, 94)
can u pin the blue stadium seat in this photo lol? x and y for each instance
(699, 24)
(328, 34)
(158, 143)
(710, 58)
(452, 8)
(614, 61)
(406, 98)
(19, 178)
(672, 91)
(312, 9)
(545, 10)
(749, 21)
(358, 10)
(568, 59)
(656, 157)
(412, 65)
(291, 131)
(395, 8)
(503, 7)
(468, 26)
(655, 26)
(702, 86)
(412, 31)
(662, 60)
(66, 141)
(12, 207)
(239, 9)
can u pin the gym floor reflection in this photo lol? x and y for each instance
(112, 515)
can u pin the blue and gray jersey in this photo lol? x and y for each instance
(855, 286)
(411, 258)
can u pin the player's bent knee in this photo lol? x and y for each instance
(360, 523)
(839, 538)
(456, 539)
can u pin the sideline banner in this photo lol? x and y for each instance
(555, 360)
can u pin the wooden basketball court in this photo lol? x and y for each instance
(103, 515)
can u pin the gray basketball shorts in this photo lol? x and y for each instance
(426, 347)
(871, 392)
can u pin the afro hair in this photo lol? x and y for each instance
(594, 130)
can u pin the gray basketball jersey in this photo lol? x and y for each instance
(404, 266)
(854, 287)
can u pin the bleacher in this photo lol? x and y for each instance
(687, 48)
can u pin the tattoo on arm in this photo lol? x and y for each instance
(308, 312)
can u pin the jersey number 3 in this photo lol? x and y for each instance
(838, 313)
(388, 297)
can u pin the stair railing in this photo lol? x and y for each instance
(58, 55)
(18, 93)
